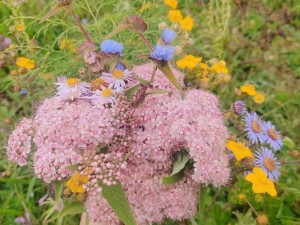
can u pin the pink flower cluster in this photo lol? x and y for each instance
(76, 132)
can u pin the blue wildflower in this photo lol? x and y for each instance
(23, 91)
(120, 66)
(266, 160)
(273, 137)
(162, 53)
(254, 128)
(111, 46)
(239, 107)
(168, 35)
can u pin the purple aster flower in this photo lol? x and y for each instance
(20, 219)
(23, 91)
(254, 128)
(111, 46)
(273, 137)
(266, 160)
(162, 53)
(239, 107)
(120, 66)
(168, 35)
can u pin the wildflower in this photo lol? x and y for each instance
(23, 91)
(168, 35)
(26, 63)
(273, 137)
(89, 57)
(242, 198)
(219, 67)
(76, 182)
(98, 83)
(249, 89)
(262, 219)
(162, 53)
(254, 128)
(267, 161)
(239, 150)
(204, 68)
(105, 95)
(175, 15)
(259, 98)
(239, 107)
(63, 44)
(187, 23)
(71, 88)
(120, 66)
(188, 61)
(171, 3)
(260, 182)
(20, 26)
(112, 47)
(118, 78)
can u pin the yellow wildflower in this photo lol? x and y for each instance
(175, 15)
(259, 98)
(63, 44)
(249, 89)
(20, 26)
(219, 67)
(260, 182)
(187, 23)
(76, 182)
(188, 61)
(239, 150)
(72, 47)
(204, 68)
(23, 62)
(171, 3)
(242, 197)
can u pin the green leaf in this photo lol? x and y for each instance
(173, 178)
(179, 164)
(72, 209)
(288, 142)
(158, 92)
(117, 200)
(59, 185)
(72, 167)
(193, 222)
(131, 91)
(142, 81)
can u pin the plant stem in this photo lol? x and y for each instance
(251, 207)
(83, 31)
(146, 41)
(289, 163)
(200, 215)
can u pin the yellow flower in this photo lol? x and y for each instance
(219, 67)
(260, 182)
(76, 182)
(239, 150)
(259, 98)
(20, 26)
(23, 62)
(188, 61)
(187, 23)
(171, 3)
(63, 44)
(242, 197)
(175, 15)
(249, 89)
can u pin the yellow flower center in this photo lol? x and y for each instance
(269, 164)
(72, 81)
(106, 93)
(118, 74)
(96, 84)
(272, 134)
(255, 126)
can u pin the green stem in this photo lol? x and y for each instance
(200, 215)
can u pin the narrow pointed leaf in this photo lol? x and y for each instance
(131, 91)
(59, 185)
(72, 209)
(173, 178)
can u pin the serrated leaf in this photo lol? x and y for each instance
(131, 91)
(117, 200)
(72, 209)
(173, 179)
(59, 185)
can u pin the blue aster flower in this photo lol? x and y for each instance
(111, 46)
(273, 137)
(120, 66)
(168, 35)
(254, 128)
(162, 53)
(266, 160)
(239, 107)
(23, 91)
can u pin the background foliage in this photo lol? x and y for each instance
(259, 40)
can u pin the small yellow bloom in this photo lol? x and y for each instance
(20, 26)
(259, 98)
(249, 89)
(188, 61)
(187, 23)
(242, 197)
(23, 62)
(239, 150)
(219, 67)
(63, 44)
(76, 182)
(175, 15)
(259, 198)
(260, 182)
(171, 3)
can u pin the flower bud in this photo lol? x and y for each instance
(262, 219)
(238, 92)
(14, 72)
(178, 50)
(81, 71)
(248, 163)
(294, 153)
(81, 197)
(22, 70)
(67, 192)
(64, 2)
(135, 23)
